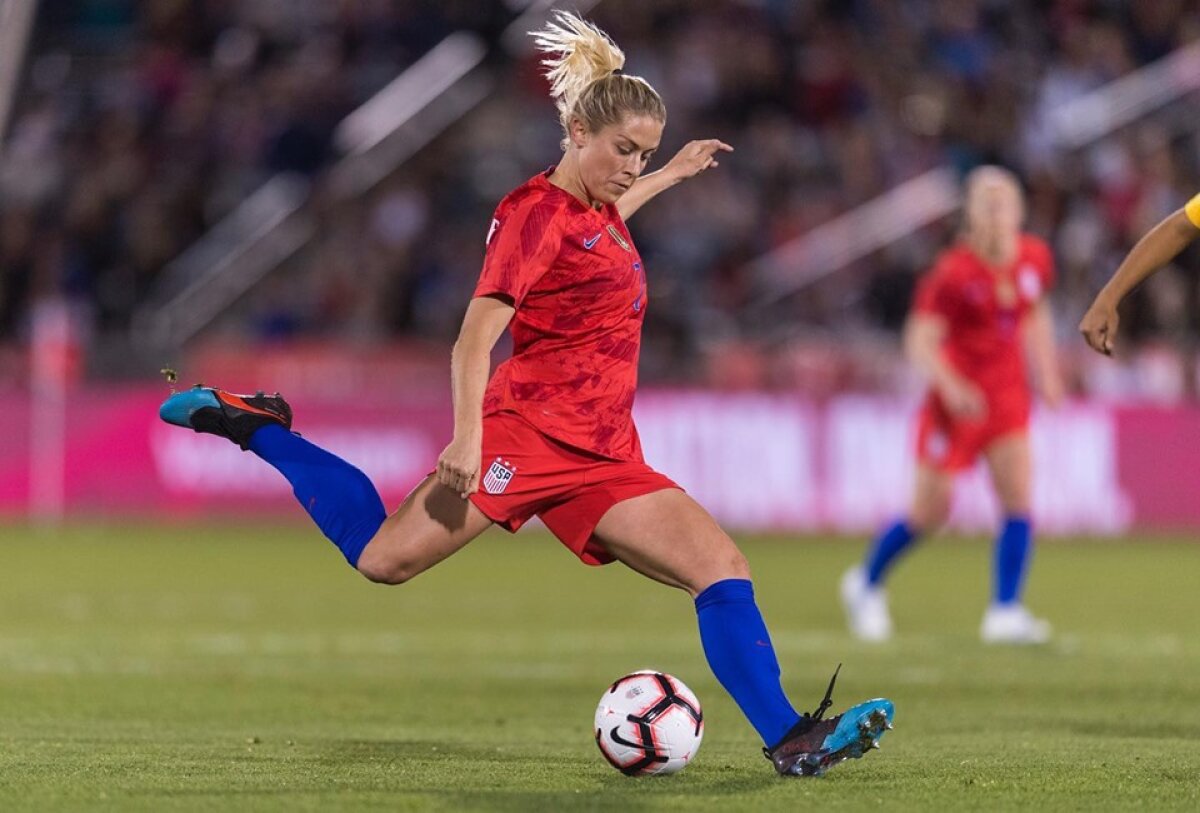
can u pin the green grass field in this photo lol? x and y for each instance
(149, 668)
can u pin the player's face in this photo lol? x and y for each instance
(995, 209)
(612, 158)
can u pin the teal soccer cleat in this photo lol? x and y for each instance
(815, 745)
(216, 412)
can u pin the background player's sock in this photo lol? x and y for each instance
(1013, 550)
(740, 654)
(340, 498)
(893, 541)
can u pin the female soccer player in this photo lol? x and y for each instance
(551, 434)
(1158, 247)
(976, 314)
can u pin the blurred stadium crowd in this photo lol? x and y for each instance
(139, 125)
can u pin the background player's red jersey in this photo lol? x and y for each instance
(983, 309)
(579, 290)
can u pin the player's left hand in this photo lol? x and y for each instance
(695, 157)
(1052, 390)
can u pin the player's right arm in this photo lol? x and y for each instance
(520, 248)
(923, 337)
(1157, 248)
(470, 364)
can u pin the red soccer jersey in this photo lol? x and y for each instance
(579, 290)
(983, 309)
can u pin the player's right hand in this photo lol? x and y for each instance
(963, 399)
(695, 157)
(458, 466)
(1099, 326)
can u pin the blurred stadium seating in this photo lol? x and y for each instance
(138, 127)
(183, 180)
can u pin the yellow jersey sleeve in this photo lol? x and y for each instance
(1192, 210)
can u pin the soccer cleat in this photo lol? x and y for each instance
(814, 745)
(1012, 624)
(235, 417)
(866, 607)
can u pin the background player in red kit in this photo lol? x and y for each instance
(552, 433)
(977, 315)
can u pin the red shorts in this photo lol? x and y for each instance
(952, 444)
(526, 473)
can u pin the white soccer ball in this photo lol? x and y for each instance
(649, 723)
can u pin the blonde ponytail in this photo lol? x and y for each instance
(581, 54)
(584, 82)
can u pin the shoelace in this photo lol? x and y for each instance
(826, 701)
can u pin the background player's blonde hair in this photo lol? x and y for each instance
(583, 77)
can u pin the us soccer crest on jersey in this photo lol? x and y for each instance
(498, 476)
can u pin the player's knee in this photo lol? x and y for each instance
(1013, 498)
(1015, 505)
(731, 565)
(738, 567)
(726, 562)
(382, 567)
(929, 517)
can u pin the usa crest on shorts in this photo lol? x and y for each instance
(498, 476)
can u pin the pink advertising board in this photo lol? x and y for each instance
(757, 461)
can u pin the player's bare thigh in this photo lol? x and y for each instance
(432, 523)
(669, 537)
(1010, 464)
(933, 490)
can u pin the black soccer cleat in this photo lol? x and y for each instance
(235, 417)
(815, 745)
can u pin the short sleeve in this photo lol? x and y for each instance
(1046, 264)
(522, 244)
(936, 294)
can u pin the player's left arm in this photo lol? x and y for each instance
(1038, 329)
(694, 158)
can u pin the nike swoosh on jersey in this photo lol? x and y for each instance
(589, 243)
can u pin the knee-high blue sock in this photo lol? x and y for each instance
(1014, 546)
(740, 654)
(340, 498)
(893, 541)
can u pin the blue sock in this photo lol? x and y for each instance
(1014, 547)
(888, 545)
(340, 498)
(740, 654)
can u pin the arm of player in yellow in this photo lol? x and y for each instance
(470, 365)
(694, 158)
(1157, 248)
(1038, 335)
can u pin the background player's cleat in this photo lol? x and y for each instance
(235, 417)
(866, 607)
(814, 745)
(1012, 624)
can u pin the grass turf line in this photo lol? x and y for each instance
(147, 668)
